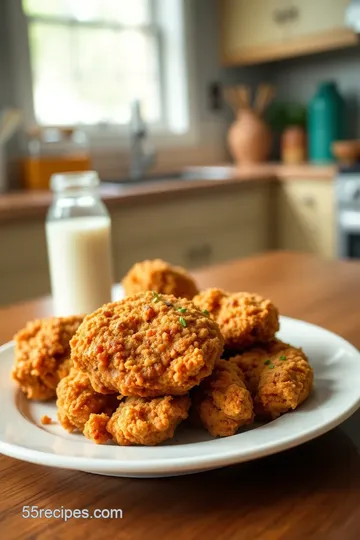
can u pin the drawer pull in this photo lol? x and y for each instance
(199, 255)
(308, 201)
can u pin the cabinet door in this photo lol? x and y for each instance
(247, 26)
(24, 272)
(311, 18)
(193, 231)
(306, 217)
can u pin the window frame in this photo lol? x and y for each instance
(115, 135)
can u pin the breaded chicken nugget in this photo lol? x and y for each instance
(159, 276)
(279, 377)
(251, 362)
(147, 421)
(42, 355)
(147, 345)
(244, 318)
(222, 401)
(95, 428)
(77, 400)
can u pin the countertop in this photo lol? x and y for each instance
(24, 204)
(311, 491)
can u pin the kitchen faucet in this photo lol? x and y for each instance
(142, 152)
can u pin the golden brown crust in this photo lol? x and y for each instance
(160, 276)
(244, 318)
(222, 401)
(77, 400)
(95, 428)
(42, 355)
(147, 421)
(279, 377)
(143, 345)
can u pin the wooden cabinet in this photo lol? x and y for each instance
(190, 230)
(265, 30)
(311, 18)
(23, 262)
(306, 216)
(248, 27)
(194, 231)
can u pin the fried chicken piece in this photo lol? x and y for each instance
(147, 345)
(160, 276)
(42, 355)
(77, 400)
(279, 377)
(244, 318)
(147, 421)
(95, 428)
(222, 401)
(251, 362)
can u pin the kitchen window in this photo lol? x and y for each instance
(89, 59)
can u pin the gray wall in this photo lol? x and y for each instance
(6, 80)
(296, 80)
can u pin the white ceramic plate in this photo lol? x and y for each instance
(335, 397)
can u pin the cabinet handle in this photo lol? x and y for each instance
(308, 201)
(199, 255)
(279, 16)
(292, 13)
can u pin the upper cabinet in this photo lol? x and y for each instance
(254, 31)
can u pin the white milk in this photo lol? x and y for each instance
(80, 264)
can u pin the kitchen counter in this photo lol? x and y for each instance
(22, 204)
(278, 171)
(311, 491)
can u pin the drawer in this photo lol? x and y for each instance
(23, 245)
(175, 218)
(211, 247)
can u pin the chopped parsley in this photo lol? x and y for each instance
(182, 321)
(156, 296)
(271, 366)
(205, 311)
(182, 309)
(282, 357)
(267, 362)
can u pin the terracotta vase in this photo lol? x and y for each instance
(249, 138)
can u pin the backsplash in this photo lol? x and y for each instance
(297, 79)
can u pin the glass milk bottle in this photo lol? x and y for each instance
(79, 244)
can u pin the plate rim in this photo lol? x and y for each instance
(186, 463)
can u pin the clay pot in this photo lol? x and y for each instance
(249, 138)
(293, 145)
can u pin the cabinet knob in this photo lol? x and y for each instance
(292, 13)
(309, 201)
(199, 255)
(279, 16)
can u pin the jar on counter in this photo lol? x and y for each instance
(51, 151)
(79, 245)
(293, 145)
(325, 122)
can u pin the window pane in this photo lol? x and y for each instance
(91, 75)
(129, 12)
(115, 68)
(50, 47)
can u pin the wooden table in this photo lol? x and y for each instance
(312, 491)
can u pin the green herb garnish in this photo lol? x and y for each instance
(156, 296)
(267, 362)
(282, 357)
(182, 321)
(205, 311)
(271, 366)
(182, 309)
